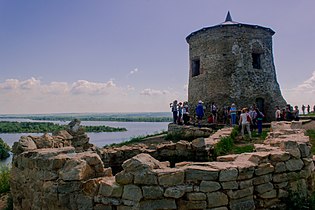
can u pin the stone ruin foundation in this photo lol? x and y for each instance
(64, 171)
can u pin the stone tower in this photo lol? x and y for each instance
(233, 63)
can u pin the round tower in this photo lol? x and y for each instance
(233, 63)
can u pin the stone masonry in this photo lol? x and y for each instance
(57, 176)
(233, 63)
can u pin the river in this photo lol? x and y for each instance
(134, 129)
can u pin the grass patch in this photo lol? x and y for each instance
(243, 149)
(4, 179)
(224, 146)
(311, 134)
(136, 139)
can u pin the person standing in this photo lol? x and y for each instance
(278, 114)
(303, 109)
(233, 114)
(260, 117)
(214, 112)
(174, 111)
(185, 113)
(199, 112)
(245, 121)
(308, 109)
(180, 113)
(296, 113)
(253, 115)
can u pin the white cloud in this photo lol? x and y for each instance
(30, 83)
(134, 71)
(152, 92)
(86, 87)
(302, 93)
(10, 84)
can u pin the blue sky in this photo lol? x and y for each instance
(131, 55)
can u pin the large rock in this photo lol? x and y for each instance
(141, 162)
(24, 144)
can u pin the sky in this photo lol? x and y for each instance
(79, 56)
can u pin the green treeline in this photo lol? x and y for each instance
(105, 118)
(48, 127)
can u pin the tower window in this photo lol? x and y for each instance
(256, 60)
(195, 67)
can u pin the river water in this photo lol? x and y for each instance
(134, 129)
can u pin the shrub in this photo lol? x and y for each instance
(4, 149)
(224, 146)
(4, 179)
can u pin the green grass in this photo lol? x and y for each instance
(242, 149)
(136, 139)
(4, 179)
(311, 134)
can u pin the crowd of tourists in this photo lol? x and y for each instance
(248, 118)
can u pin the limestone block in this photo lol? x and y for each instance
(124, 178)
(174, 192)
(170, 176)
(291, 147)
(68, 187)
(181, 146)
(145, 178)
(305, 150)
(76, 169)
(262, 179)
(231, 185)
(259, 157)
(45, 141)
(229, 174)
(198, 143)
(280, 167)
(141, 162)
(243, 203)
(294, 164)
(264, 168)
(196, 196)
(237, 194)
(84, 202)
(245, 184)
(132, 192)
(296, 125)
(227, 158)
(24, 144)
(197, 173)
(280, 178)
(91, 186)
(264, 188)
(279, 156)
(110, 201)
(245, 172)
(152, 192)
(216, 199)
(281, 185)
(185, 205)
(108, 187)
(269, 194)
(158, 204)
(63, 134)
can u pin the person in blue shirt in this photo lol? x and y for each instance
(199, 112)
(233, 112)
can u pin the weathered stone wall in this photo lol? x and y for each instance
(61, 178)
(226, 71)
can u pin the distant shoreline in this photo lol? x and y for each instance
(119, 117)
